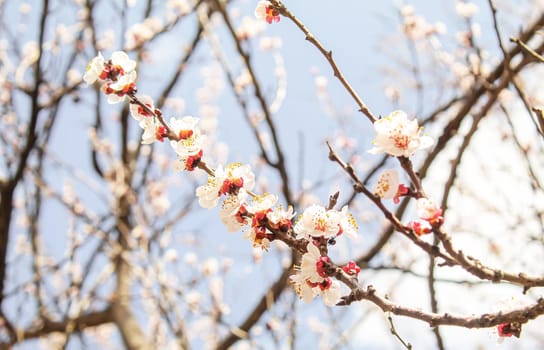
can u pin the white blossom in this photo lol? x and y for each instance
(94, 69)
(398, 136)
(191, 140)
(387, 185)
(466, 9)
(138, 112)
(316, 221)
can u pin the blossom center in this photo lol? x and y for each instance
(185, 134)
(231, 185)
(401, 141)
(320, 224)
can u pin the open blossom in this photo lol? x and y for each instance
(138, 112)
(153, 131)
(225, 181)
(429, 211)
(259, 208)
(122, 63)
(311, 279)
(234, 212)
(94, 69)
(280, 219)
(316, 221)
(388, 187)
(309, 267)
(398, 136)
(387, 184)
(118, 74)
(347, 224)
(265, 11)
(190, 139)
(120, 88)
(188, 163)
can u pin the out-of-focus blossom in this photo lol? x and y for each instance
(94, 69)
(466, 9)
(420, 227)
(249, 28)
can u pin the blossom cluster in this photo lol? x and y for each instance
(118, 78)
(398, 136)
(118, 75)
(430, 215)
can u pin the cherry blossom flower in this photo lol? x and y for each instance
(118, 73)
(138, 112)
(120, 88)
(387, 184)
(137, 35)
(208, 194)
(309, 267)
(190, 139)
(152, 131)
(302, 288)
(189, 163)
(94, 69)
(259, 208)
(311, 279)
(429, 211)
(330, 292)
(347, 224)
(234, 212)
(466, 9)
(316, 221)
(120, 64)
(328, 289)
(237, 176)
(265, 11)
(280, 219)
(225, 181)
(398, 136)
(388, 187)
